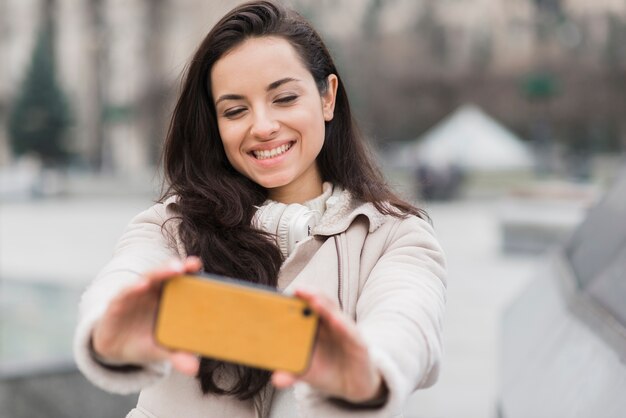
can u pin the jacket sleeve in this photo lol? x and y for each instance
(143, 246)
(399, 313)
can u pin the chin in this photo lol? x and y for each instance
(272, 183)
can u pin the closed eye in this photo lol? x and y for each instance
(233, 113)
(286, 99)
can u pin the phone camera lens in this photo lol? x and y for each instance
(307, 312)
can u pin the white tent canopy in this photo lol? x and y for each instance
(470, 140)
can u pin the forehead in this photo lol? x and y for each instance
(257, 62)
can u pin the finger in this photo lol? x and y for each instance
(185, 363)
(152, 280)
(132, 292)
(316, 297)
(283, 380)
(139, 286)
(170, 269)
(322, 304)
(192, 264)
(173, 268)
(330, 314)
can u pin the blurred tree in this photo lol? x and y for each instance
(615, 48)
(154, 100)
(4, 105)
(615, 59)
(370, 24)
(540, 85)
(40, 115)
(97, 72)
(310, 10)
(549, 14)
(553, 7)
(482, 51)
(430, 28)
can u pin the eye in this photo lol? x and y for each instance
(233, 112)
(286, 99)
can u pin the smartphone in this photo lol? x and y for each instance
(236, 321)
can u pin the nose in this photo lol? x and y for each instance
(264, 125)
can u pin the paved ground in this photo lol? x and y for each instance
(66, 241)
(481, 283)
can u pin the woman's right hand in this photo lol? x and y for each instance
(124, 334)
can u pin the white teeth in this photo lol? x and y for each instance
(262, 155)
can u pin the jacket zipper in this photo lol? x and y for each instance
(339, 281)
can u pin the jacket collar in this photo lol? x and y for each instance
(342, 210)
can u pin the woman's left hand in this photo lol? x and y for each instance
(341, 365)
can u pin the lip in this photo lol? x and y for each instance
(270, 145)
(268, 162)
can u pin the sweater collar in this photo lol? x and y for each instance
(341, 210)
(321, 202)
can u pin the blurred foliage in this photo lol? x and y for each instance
(407, 64)
(615, 48)
(40, 114)
(118, 113)
(403, 82)
(540, 85)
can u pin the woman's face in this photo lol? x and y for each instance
(271, 117)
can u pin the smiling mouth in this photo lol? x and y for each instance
(266, 154)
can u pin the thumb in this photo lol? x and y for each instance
(283, 380)
(185, 363)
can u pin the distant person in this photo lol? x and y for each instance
(427, 182)
(263, 121)
(455, 179)
(439, 182)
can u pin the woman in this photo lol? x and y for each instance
(262, 151)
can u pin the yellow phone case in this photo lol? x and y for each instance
(237, 322)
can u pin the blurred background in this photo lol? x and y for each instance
(504, 119)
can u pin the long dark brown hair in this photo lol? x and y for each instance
(216, 203)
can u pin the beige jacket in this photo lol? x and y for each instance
(388, 274)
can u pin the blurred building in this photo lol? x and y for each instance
(564, 335)
(120, 61)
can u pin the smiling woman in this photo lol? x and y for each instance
(268, 180)
(272, 125)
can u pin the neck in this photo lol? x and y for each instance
(295, 196)
(298, 191)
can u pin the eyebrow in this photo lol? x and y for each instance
(272, 86)
(278, 83)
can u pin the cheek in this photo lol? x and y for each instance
(312, 124)
(229, 140)
(317, 132)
